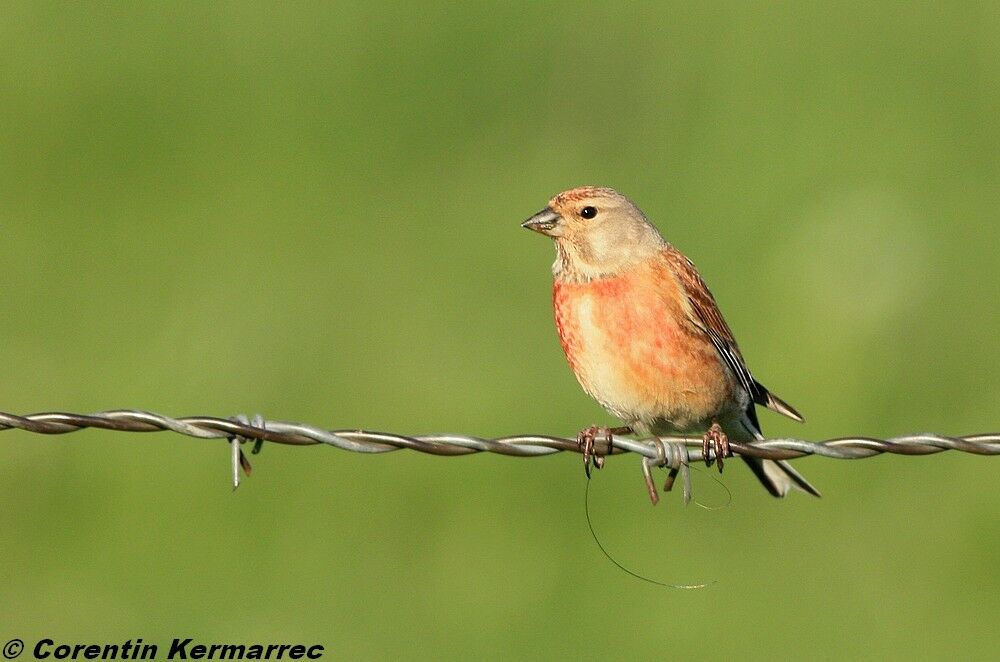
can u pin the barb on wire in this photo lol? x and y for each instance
(672, 452)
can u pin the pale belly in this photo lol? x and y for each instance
(633, 350)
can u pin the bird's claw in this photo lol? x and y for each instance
(587, 439)
(717, 438)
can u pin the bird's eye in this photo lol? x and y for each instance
(588, 212)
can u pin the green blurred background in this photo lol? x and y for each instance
(312, 212)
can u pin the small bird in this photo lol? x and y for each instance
(644, 335)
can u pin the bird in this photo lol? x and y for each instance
(644, 336)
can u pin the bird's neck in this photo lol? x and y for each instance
(575, 264)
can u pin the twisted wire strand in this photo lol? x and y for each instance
(528, 445)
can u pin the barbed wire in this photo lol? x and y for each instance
(672, 452)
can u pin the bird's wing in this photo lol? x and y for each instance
(704, 313)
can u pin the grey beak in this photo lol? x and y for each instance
(543, 222)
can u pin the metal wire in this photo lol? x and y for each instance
(528, 445)
(674, 453)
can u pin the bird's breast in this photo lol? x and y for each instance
(632, 347)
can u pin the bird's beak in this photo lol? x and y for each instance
(544, 222)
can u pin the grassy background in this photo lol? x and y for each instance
(312, 212)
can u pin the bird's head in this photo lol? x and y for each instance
(598, 233)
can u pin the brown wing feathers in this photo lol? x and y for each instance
(706, 315)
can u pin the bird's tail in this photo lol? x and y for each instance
(777, 476)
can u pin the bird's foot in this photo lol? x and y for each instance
(587, 438)
(717, 438)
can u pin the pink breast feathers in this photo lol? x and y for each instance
(621, 337)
